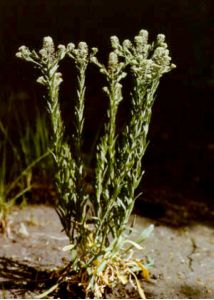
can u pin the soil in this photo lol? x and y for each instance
(181, 246)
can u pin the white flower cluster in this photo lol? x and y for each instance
(24, 53)
(81, 53)
(48, 58)
(147, 61)
(44, 55)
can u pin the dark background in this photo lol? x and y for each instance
(181, 151)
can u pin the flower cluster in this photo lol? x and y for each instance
(44, 55)
(81, 54)
(146, 60)
(46, 60)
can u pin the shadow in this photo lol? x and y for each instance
(21, 277)
(194, 292)
(173, 208)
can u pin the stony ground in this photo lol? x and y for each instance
(183, 256)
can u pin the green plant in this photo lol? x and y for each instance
(97, 225)
(13, 178)
(32, 144)
(31, 140)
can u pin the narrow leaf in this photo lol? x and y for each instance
(140, 290)
(68, 247)
(46, 293)
(145, 234)
(134, 244)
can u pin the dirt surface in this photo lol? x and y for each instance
(183, 256)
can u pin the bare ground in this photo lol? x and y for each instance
(183, 256)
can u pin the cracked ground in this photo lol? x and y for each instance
(183, 256)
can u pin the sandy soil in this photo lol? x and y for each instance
(183, 256)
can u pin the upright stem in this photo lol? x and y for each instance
(79, 123)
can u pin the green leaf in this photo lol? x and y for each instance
(145, 234)
(46, 293)
(134, 244)
(101, 267)
(68, 247)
